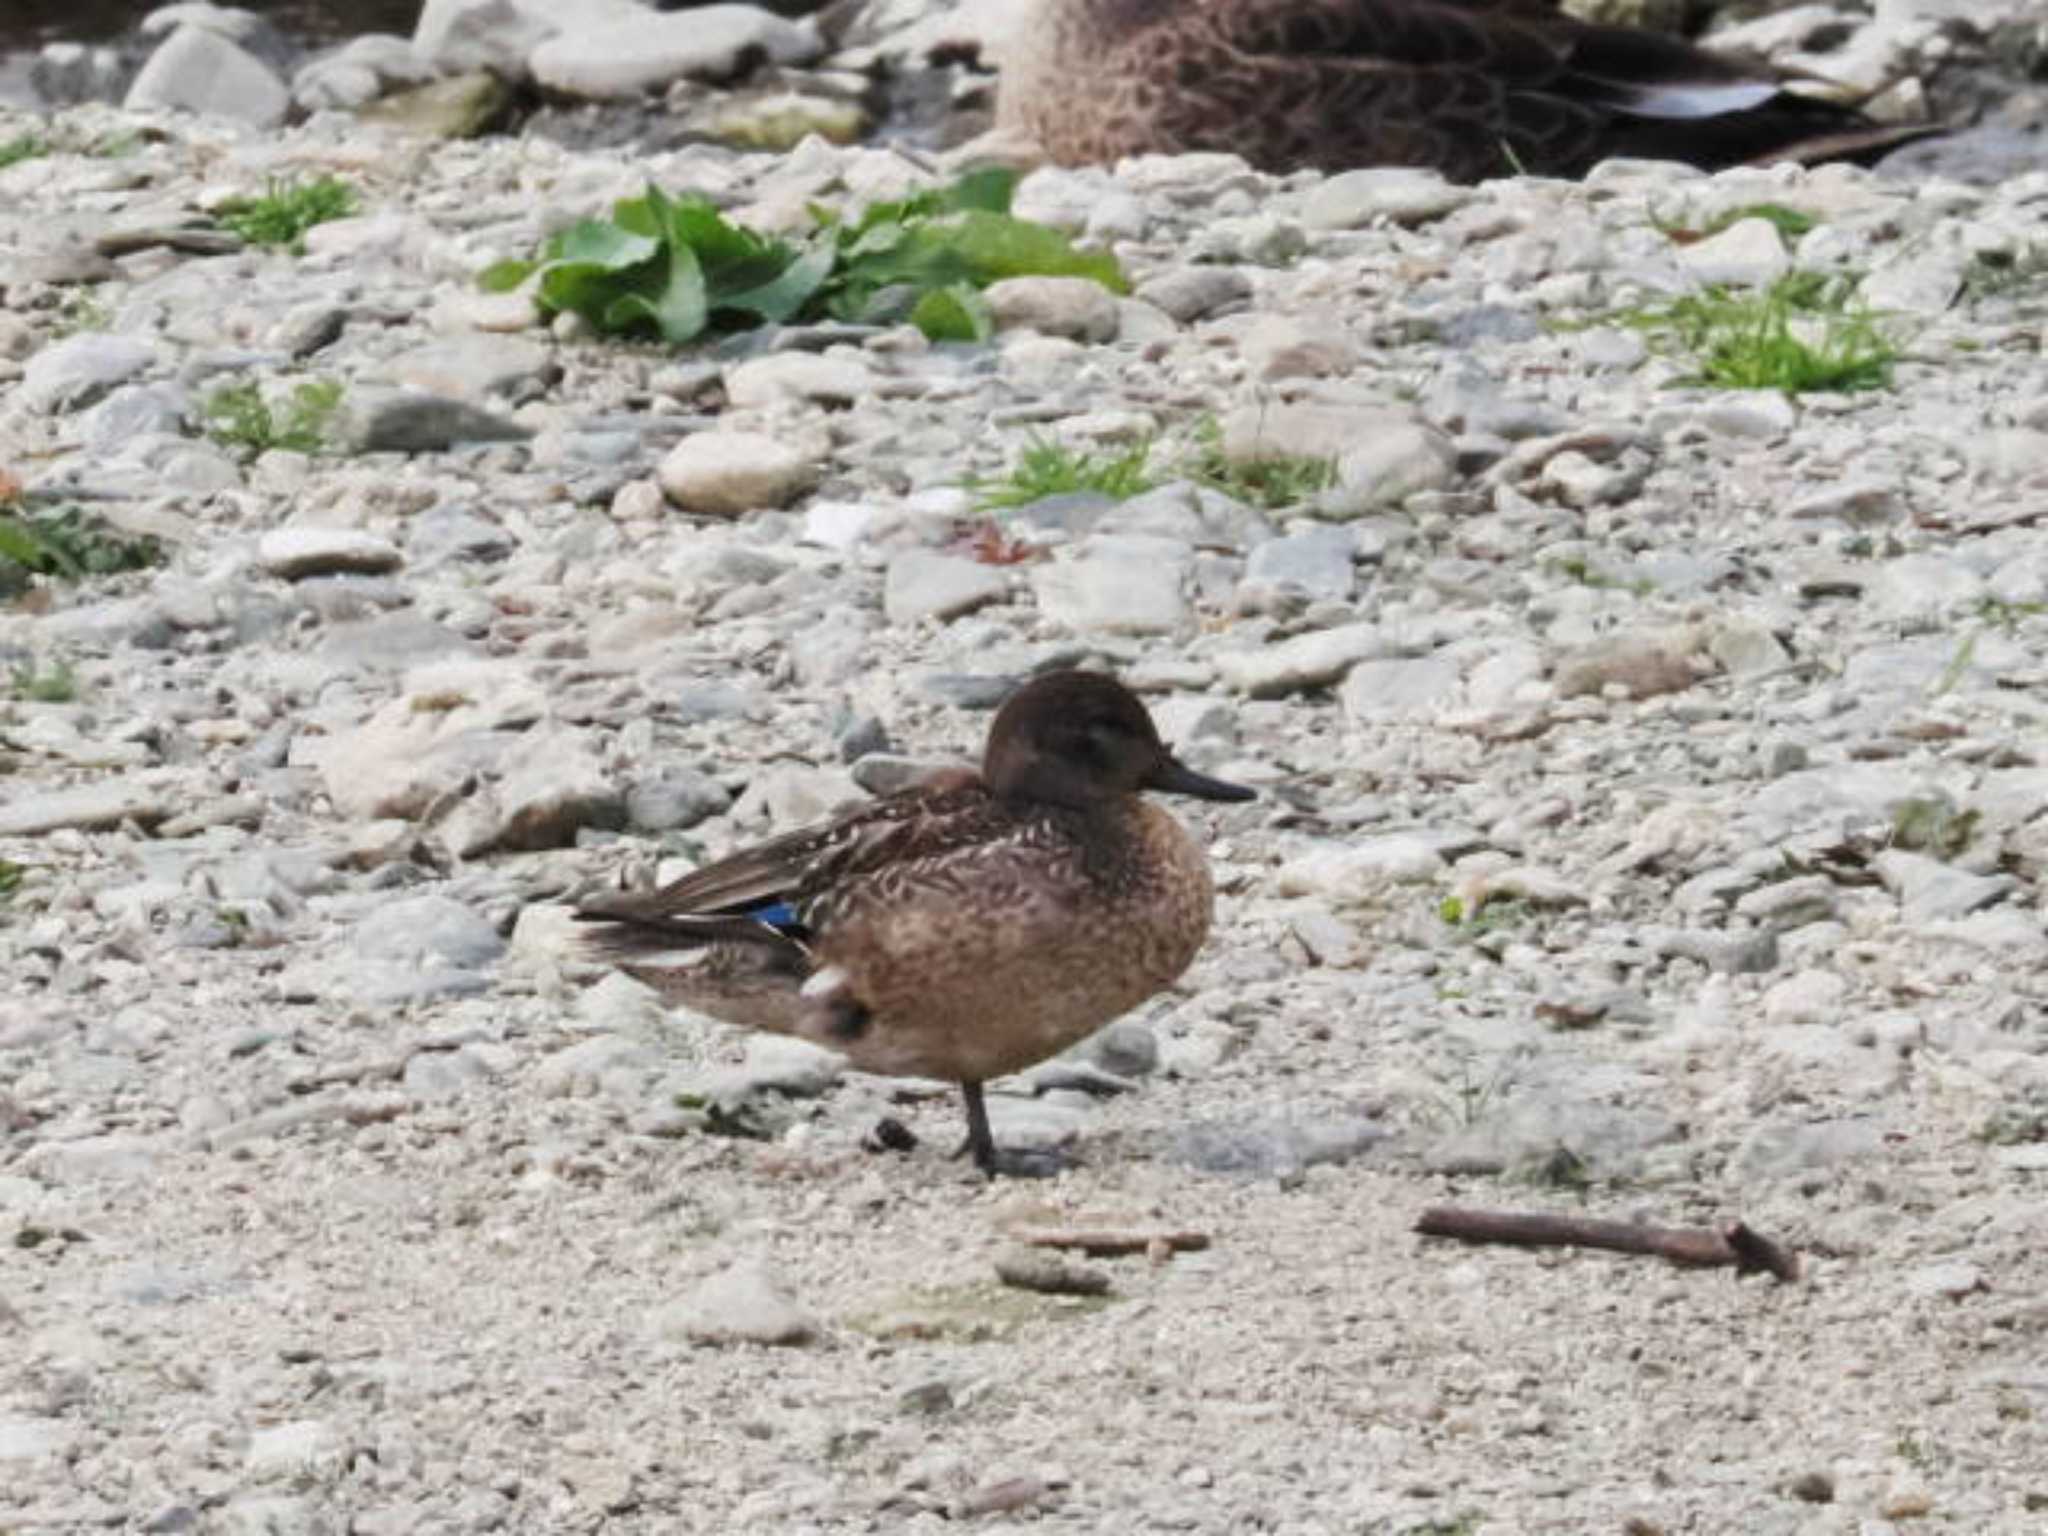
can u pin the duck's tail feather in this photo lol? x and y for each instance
(1784, 128)
(1672, 100)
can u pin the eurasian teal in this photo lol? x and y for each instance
(968, 927)
(1474, 88)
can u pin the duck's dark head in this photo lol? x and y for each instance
(1081, 739)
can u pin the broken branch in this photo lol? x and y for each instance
(1733, 1246)
(1103, 1243)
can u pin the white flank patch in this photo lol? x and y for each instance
(825, 981)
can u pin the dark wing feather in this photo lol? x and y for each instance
(800, 868)
(1481, 87)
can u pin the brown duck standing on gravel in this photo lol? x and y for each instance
(963, 929)
(1473, 88)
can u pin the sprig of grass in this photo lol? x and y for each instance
(1047, 468)
(1270, 481)
(1801, 333)
(240, 418)
(675, 267)
(1485, 917)
(1577, 568)
(57, 684)
(81, 311)
(287, 209)
(23, 146)
(1791, 223)
(11, 876)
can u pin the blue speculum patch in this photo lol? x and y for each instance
(777, 914)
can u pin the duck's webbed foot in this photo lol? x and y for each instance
(1004, 1162)
(1023, 1163)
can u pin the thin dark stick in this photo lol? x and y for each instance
(1104, 1242)
(1733, 1246)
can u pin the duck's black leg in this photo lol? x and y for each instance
(993, 1161)
(980, 1140)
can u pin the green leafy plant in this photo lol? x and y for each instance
(11, 876)
(926, 258)
(1803, 332)
(287, 209)
(69, 545)
(56, 685)
(675, 267)
(1046, 468)
(239, 417)
(1270, 481)
(23, 146)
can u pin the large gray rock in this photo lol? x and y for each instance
(197, 69)
(460, 107)
(359, 73)
(634, 54)
(1313, 660)
(726, 473)
(477, 369)
(247, 30)
(924, 584)
(745, 1304)
(1117, 584)
(81, 369)
(461, 36)
(296, 553)
(413, 421)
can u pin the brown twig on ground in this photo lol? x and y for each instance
(1734, 1245)
(1102, 1243)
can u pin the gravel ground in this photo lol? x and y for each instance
(1652, 827)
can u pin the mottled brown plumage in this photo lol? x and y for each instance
(963, 929)
(1473, 88)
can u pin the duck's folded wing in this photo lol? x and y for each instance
(782, 880)
(1478, 87)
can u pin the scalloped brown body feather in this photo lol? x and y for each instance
(1472, 88)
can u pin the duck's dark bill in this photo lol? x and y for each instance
(1174, 777)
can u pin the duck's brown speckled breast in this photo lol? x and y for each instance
(983, 964)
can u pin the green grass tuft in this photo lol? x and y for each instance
(1801, 333)
(1580, 570)
(1046, 468)
(81, 311)
(23, 146)
(1789, 222)
(240, 418)
(56, 685)
(287, 209)
(1269, 482)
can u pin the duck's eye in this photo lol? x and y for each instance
(1106, 737)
